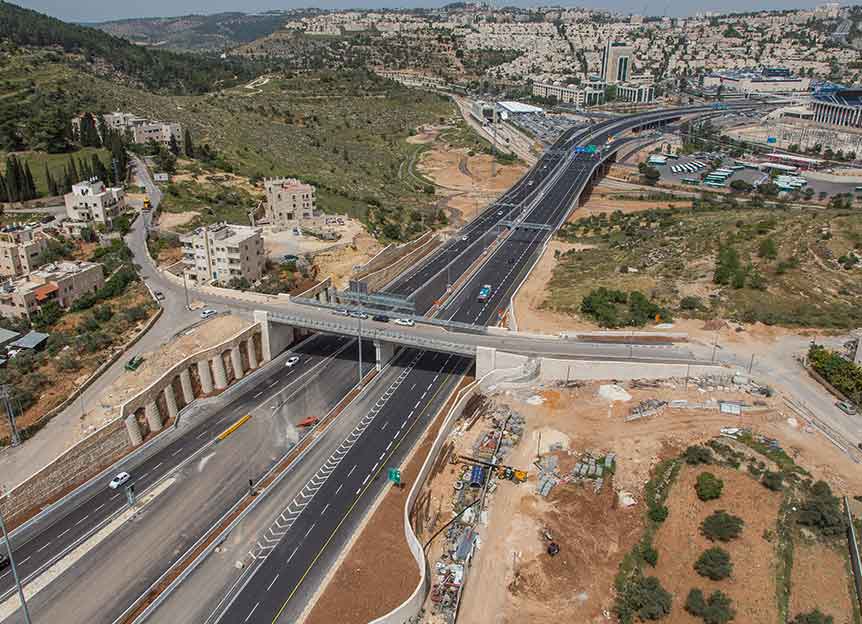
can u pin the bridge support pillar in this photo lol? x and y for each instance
(219, 373)
(274, 337)
(171, 402)
(485, 361)
(206, 376)
(154, 419)
(134, 430)
(384, 352)
(186, 383)
(251, 352)
(236, 362)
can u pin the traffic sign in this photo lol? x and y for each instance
(591, 149)
(394, 475)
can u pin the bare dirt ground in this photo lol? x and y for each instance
(816, 582)
(752, 584)
(128, 384)
(172, 220)
(220, 178)
(339, 263)
(515, 580)
(466, 184)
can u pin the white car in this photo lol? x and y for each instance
(404, 322)
(119, 480)
(208, 313)
(464, 238)
(292, 361)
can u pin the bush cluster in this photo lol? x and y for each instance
(708, 486)
(714, 563)
(721, 526)
(713, 610)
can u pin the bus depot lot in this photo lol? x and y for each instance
(748, 175)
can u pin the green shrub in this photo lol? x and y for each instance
(644, 598)
(721, 526)
(773, 481)
(813, 617)
(695, 603)
(697, 454)
(649, 554)
(714, 563)
(658, 513)
(821, 510)
(708, 486)
(718, 609)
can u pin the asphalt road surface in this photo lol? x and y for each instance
(89, 514)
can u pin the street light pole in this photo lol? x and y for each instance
(359, 346)
(15, 572)
(186, 289)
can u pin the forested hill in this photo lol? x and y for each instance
(157, 70)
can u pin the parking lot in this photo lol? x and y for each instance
(546, 128)
(752, 176)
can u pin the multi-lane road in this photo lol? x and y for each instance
(543, 197)
(301, 532)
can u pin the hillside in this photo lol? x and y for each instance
(200, 33)
(104, 54)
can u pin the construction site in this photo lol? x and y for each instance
(542, 503)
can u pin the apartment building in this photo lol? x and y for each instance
(141, 129)
(63, 283)
(289, 201)
(21, 250)
(616, 62)
(219, 253)
(588, 94)
(91, 203)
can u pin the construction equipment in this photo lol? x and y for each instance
(506, 473)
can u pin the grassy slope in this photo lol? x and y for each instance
(342, 132)
(678, 259)
(56, 163)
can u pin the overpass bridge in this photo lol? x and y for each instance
(488, 345)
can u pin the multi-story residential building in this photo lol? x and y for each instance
(158, 131)
(90, 203)
(616, 62)
(140, 128)
(588, 94)
(289, 202)
(220, 253)
(21, 250)
(63, 283)
(842, 108)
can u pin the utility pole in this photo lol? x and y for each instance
(15, 572)
(6, 398)
(359, 346)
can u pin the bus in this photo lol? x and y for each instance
(691, 181)
(858, 189)
(714, 183)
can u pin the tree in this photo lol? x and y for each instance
(174, 146)
(642, 597)
(708, 486)
(695, 603)
(721, 526)
(188, 145)
(821, 510)
(773, 481)
(651, 175)
(697, 454)
(714, 563)
(718, 609)
(812, 617)
(741, 186)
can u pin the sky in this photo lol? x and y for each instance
(101, 10)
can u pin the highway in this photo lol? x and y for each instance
(300, 534)
(428, 379)
(327, 368)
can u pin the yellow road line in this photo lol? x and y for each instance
(233, 427)
(355, 501)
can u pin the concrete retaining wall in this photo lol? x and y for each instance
(83, 461)
(93, 454)
(391, 253)
(409, 257)
(411, 607)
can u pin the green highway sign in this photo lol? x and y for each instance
(591, 149)
(394, 475)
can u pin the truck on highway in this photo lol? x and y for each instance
(484, 293)
(147, 204)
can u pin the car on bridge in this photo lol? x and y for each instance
(292, 361)
(405, 322)
(484, 293)
(119, 480)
